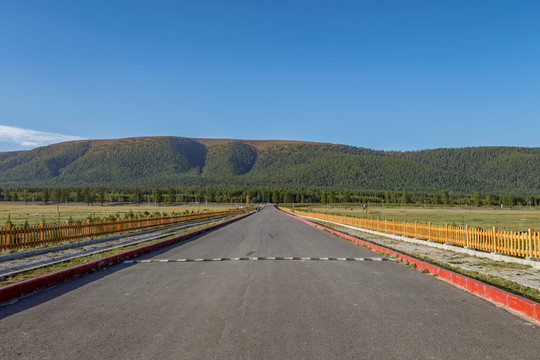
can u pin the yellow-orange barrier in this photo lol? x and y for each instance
(22, 237)
(512, 243)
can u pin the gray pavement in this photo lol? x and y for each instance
(262, 309)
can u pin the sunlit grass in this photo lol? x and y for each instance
(503, 219)
(34, 213)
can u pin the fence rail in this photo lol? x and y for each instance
(23, 237)
(521, 244)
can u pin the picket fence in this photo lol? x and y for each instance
(23, 237)
(520, 244)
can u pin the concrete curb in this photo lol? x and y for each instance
(493, 256)
(77, 244)
(526, 307)
(15, 291)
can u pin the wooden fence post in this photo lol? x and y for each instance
(530, 242)
(8, 235)
(41, 234)
(495, 239)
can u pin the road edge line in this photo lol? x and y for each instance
(528, 308)
(13, 292)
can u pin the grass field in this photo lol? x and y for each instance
(504, 219)
(51, 213)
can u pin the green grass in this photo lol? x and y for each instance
(34, 213)
(503, 219)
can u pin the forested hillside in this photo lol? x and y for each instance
(509, 168)
(176, 161)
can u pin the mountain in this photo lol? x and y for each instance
(177, 161)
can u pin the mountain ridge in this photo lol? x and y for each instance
(182, 161)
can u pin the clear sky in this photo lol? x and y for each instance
(389, 75)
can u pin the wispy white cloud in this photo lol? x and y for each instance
(32, 138)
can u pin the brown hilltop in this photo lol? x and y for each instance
(258, 144)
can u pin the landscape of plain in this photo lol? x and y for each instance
(269, 179)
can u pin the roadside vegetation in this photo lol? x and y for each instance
(20, 214)
(517, 219)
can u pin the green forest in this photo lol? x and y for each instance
(312, 171)
(237, 194)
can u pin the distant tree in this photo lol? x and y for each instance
(211, 194)
(138, 196)
(445, 197)
(79, 195)
(89, 195)
(478, 198)
(1, 194)
(101, 195)
(158, 197)
(288, 197)
(57, 194)
(26, 196)
(405, 198)
(171, 195)
(276, 196)
(200, 195)
(332, 197)
(508, 200)
(45, 195)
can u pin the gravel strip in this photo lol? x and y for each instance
(63, 253)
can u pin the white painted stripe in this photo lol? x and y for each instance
(251, 258)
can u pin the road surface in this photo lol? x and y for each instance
(262, 309)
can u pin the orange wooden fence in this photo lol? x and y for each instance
(512, 243)
(22, 237)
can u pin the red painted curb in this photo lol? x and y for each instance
(527, 307)
(27, 287)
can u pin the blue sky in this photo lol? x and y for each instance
(390, 75)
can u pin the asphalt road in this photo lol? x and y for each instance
(262, 309)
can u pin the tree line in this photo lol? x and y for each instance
(101, 195)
